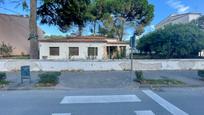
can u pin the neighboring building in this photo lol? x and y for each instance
(14, 30)
(83, 47)
(178, 18)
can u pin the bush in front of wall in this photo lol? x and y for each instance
(3, 81)
(201, 73)
(2, 76)
(5, 49)
(49, 78)
(139, 76)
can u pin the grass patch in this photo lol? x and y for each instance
(48, 79)
(17, 57)
(4, 82)
(161, 82)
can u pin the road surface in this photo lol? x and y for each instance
(174, 101)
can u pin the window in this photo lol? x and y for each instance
(54, 51)
(92, 51)
(73, 51)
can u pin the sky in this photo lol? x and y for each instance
(163, 8)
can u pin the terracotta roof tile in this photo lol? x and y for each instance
(83, 39)
(118, 42)
(73, 40)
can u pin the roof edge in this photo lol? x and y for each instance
(20, 16)
(162, 21)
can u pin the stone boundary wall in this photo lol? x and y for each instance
(102, 65)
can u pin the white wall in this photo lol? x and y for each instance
(193, 17)
(179, 20)
(182, 20)
(186, 19)
(108, 65)
(64, 49)
(83, 49)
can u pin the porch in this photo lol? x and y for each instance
(116, 52)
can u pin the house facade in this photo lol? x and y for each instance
(84, 47)
(178, 18)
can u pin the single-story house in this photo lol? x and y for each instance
(14, 30)
(83, 47)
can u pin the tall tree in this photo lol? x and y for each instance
(65, 13)
(174, 41)
(96, 12)
(140, 12)
(34, 50)
(113, 28)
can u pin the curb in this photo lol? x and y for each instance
(169, 86)
(68, 88)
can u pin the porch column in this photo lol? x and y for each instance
(105, 54)
(118, 51)
(109, 53)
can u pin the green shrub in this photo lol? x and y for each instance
(2, 76)
(49, 78)
(56, 73)
(3, 82)
(5, 49)
(139, 75)
(201, 73)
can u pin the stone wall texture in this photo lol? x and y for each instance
(102, 65)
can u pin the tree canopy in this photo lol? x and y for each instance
(96, 12)
(64, 13)
(174, 41)
(137, 13)
(132, 10)
(67, 13)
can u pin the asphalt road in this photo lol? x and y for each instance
(178, 101)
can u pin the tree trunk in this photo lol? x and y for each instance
(33, 31)
(121, 33)
(80, 30)
(94, 29)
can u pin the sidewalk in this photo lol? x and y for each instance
(15, 81)
(189, 77)
(69, 80)
(106, 79)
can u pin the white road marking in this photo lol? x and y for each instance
(168, 106)
(144, 113)
(61, 114)
(100, 99)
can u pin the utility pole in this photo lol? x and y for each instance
(33, 30)
(132, 45)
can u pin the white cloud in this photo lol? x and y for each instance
(178, 5)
